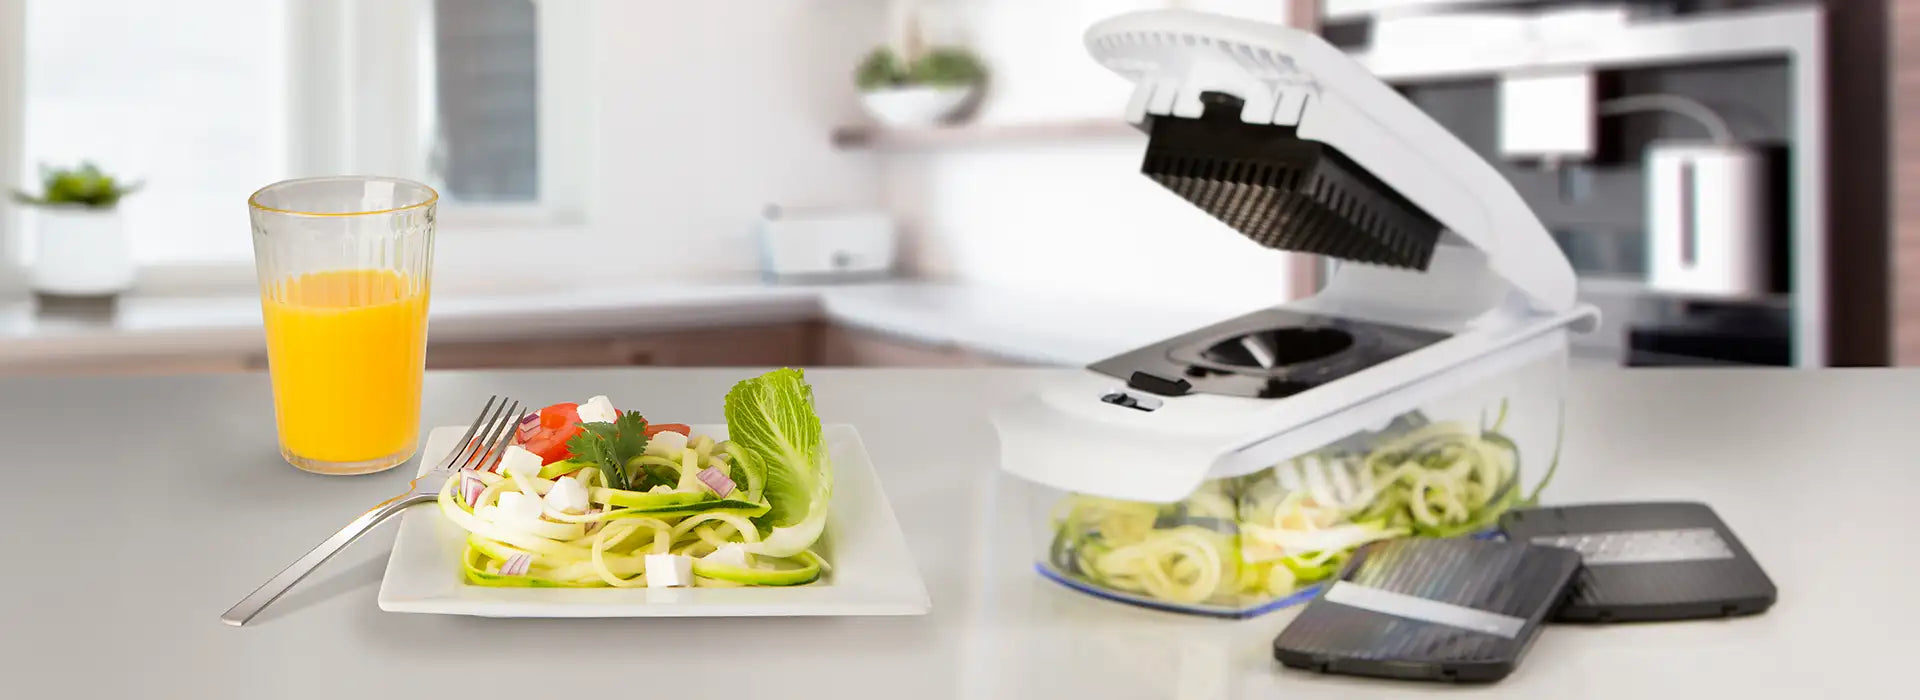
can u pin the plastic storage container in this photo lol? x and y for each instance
(1249, 544)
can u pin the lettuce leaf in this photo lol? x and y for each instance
(771, 419)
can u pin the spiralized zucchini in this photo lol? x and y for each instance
(607, 546)
(1267, 535)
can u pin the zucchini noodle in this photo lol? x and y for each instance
(1249, 540)
(607, 545)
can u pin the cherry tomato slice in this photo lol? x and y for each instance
(558, 424)
(657, 428)
(559, 415)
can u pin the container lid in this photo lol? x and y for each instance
(1287, 77)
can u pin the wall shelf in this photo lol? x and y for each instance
(975, 135)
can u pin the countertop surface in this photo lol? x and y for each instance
(142, 508)
(1023, 325)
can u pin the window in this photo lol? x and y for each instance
(204, 101)
(484, 121)
(186, 97)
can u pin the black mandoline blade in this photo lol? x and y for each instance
(1285, 192)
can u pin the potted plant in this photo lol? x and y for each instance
(81, 247)
(933, 86)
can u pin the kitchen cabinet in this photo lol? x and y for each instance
(746, 346)
(851, 347)
(1873, 47)
(113, 367)
(796, 344)
(1903, 194)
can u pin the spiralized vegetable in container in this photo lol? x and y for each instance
(1246, 545)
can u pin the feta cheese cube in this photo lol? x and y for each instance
(597, 410)
(669, 571)
(666, 444)
(732, 555)
(516, 508)
(519, 462)
(568, 496)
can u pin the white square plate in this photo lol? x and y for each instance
(872, 570)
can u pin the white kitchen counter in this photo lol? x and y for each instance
(142, 508)
(1026, 326)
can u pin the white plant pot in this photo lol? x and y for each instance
(916, 106)
(79, 252)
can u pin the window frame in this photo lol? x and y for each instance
(351, 112)
(13, 54)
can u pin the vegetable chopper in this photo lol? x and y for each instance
(1448, 303)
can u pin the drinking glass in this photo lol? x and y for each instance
(345, 266)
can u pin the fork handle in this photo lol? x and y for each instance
(261, 597)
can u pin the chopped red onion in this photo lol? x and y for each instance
(720, 483)
(470, 487)
(516, 565)
(528, 426)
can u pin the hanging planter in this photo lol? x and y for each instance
(80, 243)
(912, 86)
(933, 89)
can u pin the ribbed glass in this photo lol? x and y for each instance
(345, 267)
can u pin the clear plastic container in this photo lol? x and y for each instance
(1249, 544)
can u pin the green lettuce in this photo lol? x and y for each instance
(771, 419)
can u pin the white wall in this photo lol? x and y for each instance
(711, 110)
(1070, 217)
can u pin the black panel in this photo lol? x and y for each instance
(1285, 192)
(1704, 334)
(1506, 578)
(1271, 353)
(1671, 590)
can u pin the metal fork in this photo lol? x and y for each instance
(494, 428)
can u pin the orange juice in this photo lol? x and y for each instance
(346, 350)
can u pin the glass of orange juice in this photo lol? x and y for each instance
(345, 265)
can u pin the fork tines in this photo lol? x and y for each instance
(487, 439)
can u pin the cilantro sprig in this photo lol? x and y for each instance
(610, 445)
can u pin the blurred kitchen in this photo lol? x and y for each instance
(916, 182)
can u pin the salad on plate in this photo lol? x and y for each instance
(588, 495)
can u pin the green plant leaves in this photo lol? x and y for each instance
(942, 67)
(85, 185)
(947, 67)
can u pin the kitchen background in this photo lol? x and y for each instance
(744, 182)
